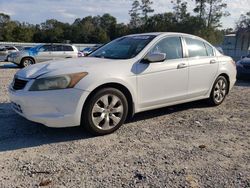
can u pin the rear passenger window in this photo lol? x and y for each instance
(171, 46)
(68, 48)
(195, 47)
(210, 51)
(58, 48)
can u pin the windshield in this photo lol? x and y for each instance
(123, 48)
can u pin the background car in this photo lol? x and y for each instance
(243, 67)
(88, 50)
(26, 48)
(43, 53)
(5, 51)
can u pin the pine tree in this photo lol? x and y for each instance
(200, 8)
(215, 13)
(135, 15)
(180, 10)
(146, 9)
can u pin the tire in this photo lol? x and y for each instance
(219, 91)
(105, 111)
(27, 61)
(6, 59)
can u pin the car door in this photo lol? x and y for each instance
(57, 52)
(68, 51)
(161, 83)
(44, 53)
(203, 67)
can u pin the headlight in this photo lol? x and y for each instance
(57, 82)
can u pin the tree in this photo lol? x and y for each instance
(108, 23)
(211, 11)
(200, 8)
(4, 20)
(215, 13)
(244, 21)
(135, 19)
(180, 10)
(146, 9)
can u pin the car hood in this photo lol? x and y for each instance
(68, 66)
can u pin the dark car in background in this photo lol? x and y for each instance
(243, 67)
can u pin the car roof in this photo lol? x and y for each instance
(167, 34)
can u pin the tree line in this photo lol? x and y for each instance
(204, 20)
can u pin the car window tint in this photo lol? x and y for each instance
(45, 48)
(210, 51)
(10, 48)
(195, 47)
(67, 48)
(171, 46)
(57, 48)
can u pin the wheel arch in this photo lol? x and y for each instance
(30, 57)
(220, 74)
(225, 75)
(120, 87)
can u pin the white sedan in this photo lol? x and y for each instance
(131, 74)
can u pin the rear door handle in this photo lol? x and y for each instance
(181, 66)
(213, 61)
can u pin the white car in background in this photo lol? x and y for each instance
(42, 53)
(5, 51)
(131, 74)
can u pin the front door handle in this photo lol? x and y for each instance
(213, 61)
(181, 66)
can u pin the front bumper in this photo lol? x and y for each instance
(15, 60)
(54, 108)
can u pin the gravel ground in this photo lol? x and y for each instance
(190, 145)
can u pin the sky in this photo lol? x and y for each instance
(37, 11)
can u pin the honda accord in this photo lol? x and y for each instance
(131, 74)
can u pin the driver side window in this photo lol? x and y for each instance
(171, 46)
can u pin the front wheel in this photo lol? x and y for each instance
(105, 111)
(219, 91)
(27, 62)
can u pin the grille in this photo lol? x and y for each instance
(19, 84)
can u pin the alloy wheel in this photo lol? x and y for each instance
(27, 62)
(220, 90)
(107, 112)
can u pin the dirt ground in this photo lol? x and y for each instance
(190, 145)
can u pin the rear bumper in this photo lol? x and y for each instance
(58, 108)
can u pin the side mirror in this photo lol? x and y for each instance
(155, 57)
(242, 57)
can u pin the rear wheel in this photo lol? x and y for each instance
(219, 91)
(27, 62)
(105, 111)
